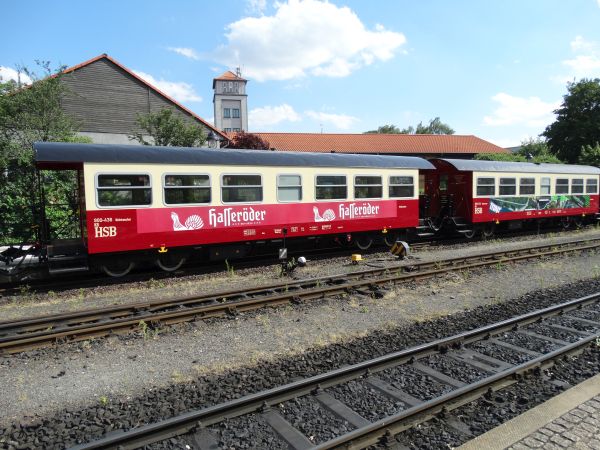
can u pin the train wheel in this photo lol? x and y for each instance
(364, 242)
(578, 221)
(470, 234)
(488, 230)
(170, 262)
(117, 268)
(390, 238)
(565, 222)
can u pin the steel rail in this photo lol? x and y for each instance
(39, 332)
(194, 420)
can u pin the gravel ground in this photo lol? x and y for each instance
(116, 370)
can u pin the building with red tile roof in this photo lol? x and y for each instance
(428, 145)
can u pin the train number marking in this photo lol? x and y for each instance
(479, 210)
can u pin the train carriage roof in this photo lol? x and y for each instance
(56, 153)
(473, 165)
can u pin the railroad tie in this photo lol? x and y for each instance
(341, 410)
(288, 433)
(387, 389)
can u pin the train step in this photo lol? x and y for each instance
(425, 234)
(465, 230)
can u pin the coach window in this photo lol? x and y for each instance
(562, 186)
(486, 186)
(508, 186)
(577, 186)
(123, 190)
(289, 188)
(331, 187)
(401, 186)
(368, 187)
(527, 186)
(591, 186)
(545, 186)
(241, 188)
(184, 189)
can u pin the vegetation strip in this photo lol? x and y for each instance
(35, 333)
(260, 402)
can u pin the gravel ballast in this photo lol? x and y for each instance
(116, 382)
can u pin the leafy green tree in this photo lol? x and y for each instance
(590, 155)
(538, 150)
(166, 128)
(435, 126)
(252, 141)
(578, 120)
(385, 129)
(30, 113)
(532, 150)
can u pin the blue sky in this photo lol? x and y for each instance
(495, 69)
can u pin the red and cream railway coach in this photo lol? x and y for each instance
(159, 203)
(485, 194)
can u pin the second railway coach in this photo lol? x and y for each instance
(480, 195)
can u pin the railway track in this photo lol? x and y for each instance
(31, 333)
(457, 369)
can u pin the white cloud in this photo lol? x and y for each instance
(530, 112)
(258, 6)
(6, 74)
(180, 91)
(305, 37)
(271, 115)
(340, 121)
(586, 61)
(185, 51)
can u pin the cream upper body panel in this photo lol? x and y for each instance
(269, 175)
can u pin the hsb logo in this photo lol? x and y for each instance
(105, 231)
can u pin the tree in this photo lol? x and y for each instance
(590, 155)
(168, 129)
(435, 126)
(385, 129)
(532, 150)
(248, 141)
(30, 113)
(578, 120)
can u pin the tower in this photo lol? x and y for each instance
(230, 102)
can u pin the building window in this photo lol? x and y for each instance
(368, 187)
(227, 113)
(545, 186)
(184, 189)
(123, 190)
(289, 188)
(241, 188)
(237, 129)
(486, 186)
(527, 186)
(562, 186)
(577, 186)
(227, 130)
(401, 186)
(591, 186)
(331, 187)
(235, 113)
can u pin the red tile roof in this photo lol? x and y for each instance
(379, 143)
(158, 91)
(229, 75)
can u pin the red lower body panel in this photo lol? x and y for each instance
(117, 230)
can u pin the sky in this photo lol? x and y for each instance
(496, 69)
